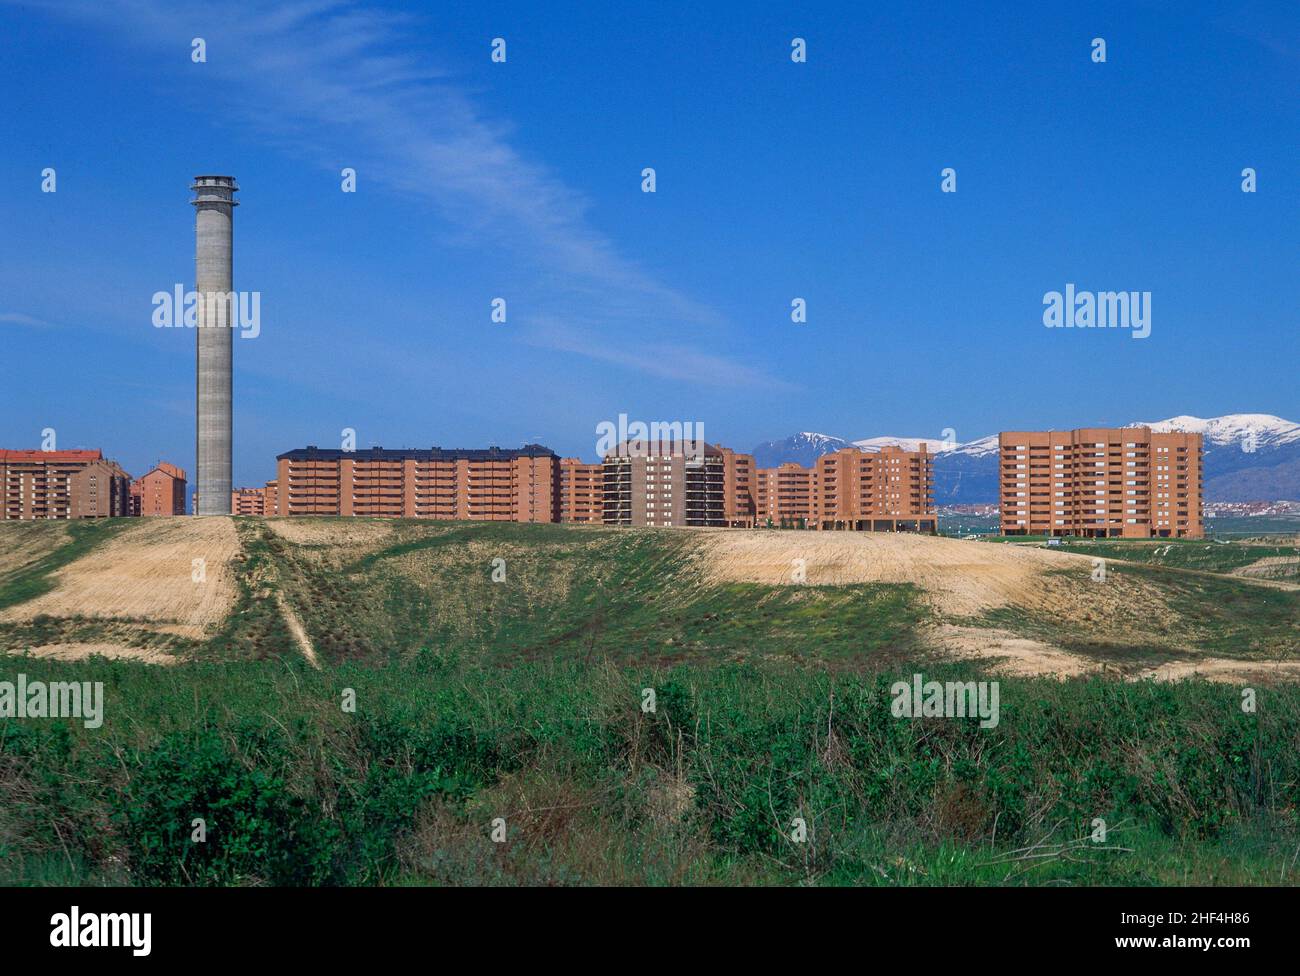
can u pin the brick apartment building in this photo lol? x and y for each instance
(160, 492)
(658, 484)
(582, 492)
(492, 484)
(665, 483)
(785, 496)
(739, 489)
(890, 490)
(1127, 482)
(248, 501)
(63, 485)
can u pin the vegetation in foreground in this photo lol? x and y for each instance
(772, 703)
(295, 790)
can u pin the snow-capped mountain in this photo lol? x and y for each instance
(1234, 429)
(804, 448)
(874, 444)
(983, 447)
(1248, 457)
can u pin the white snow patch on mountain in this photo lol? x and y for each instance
(1268, 431)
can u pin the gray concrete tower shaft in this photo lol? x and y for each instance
(214, 218)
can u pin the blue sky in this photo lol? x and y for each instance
(522, 180)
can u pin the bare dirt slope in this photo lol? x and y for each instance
(145, 573)
(964, 579)
(960, 578)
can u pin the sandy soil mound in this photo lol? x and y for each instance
(1271, 567)
(1013, 655)
(961, 578)
(1228, 670)
(363, 534)
(145, 572)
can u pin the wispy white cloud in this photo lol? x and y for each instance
(328, 80)
(667, 360)
(24, 320)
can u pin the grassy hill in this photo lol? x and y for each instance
(519, 699)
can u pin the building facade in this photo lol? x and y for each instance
(890, 490)
(160, 492)
(63, 485)
(248, 501)
(664, 484)
(582, 492)
(272, 493)
(1101, 482)
(492, 484)
(739, 489)
(785, 496)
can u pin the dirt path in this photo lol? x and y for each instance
(298, 630)
(1227, 670)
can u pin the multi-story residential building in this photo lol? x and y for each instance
(739, 489)
(582, 491)
(493, 484)
(664, 483)
(160, 492)
(272, 493)
(1101, 482)
(890, 490)
(248, 501)
(784, 496)
(63, 485)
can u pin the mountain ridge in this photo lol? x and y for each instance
(1248, 457)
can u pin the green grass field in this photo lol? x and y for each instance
(293, 789)
(1213, 557)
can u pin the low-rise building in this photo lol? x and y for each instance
(160, 492)
(248, 501)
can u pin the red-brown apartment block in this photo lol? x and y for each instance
(63, 485)
(160, 492)
(1127, 482)
(784, 496)
(582, 492)
(641, 483)
(248, 501)
(890, 490)
(493, 484)
(739, 489)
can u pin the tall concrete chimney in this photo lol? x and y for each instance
(214, 218)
